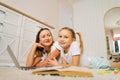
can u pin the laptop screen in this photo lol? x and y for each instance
(11, 53)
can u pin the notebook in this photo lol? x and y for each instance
(11, 53)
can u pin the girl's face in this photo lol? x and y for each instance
(65, 38)
(46, 38)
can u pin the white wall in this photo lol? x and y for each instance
(57, 13)
(89, 19)
(65, 15)
(44, 10)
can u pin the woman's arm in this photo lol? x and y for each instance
(30, 58)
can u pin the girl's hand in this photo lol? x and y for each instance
(63, 61)
(52, 62)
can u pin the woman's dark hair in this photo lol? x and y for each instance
(40, 50)
(42, 29)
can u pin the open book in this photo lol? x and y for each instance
(48, 68)
(70, 71)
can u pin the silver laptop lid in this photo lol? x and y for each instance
(11, 53)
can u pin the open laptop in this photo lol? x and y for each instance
(28, 68)
(16, 61)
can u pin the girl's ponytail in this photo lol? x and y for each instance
(81, 42)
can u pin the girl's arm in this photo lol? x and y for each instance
(53, 54)
(75, 61)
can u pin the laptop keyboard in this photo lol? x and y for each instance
(27, 68)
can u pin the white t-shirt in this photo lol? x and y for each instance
(74, 50)
(46, 54)
(44, 57)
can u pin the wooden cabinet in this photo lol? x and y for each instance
(19, 32)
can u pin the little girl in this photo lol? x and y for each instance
(68, 47)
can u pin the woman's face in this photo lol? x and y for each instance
(65, 38)
(46, 38)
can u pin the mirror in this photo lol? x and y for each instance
(112, 30)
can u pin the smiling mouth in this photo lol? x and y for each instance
(61, 43)
(48, 41)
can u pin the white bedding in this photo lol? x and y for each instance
(12, 73)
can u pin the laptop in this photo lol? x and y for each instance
(11, 53)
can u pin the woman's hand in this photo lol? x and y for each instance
(35, 45)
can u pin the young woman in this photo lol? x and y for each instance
(68, 47)
(40, 49)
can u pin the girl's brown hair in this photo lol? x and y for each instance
(81, 41)
(74, 36)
